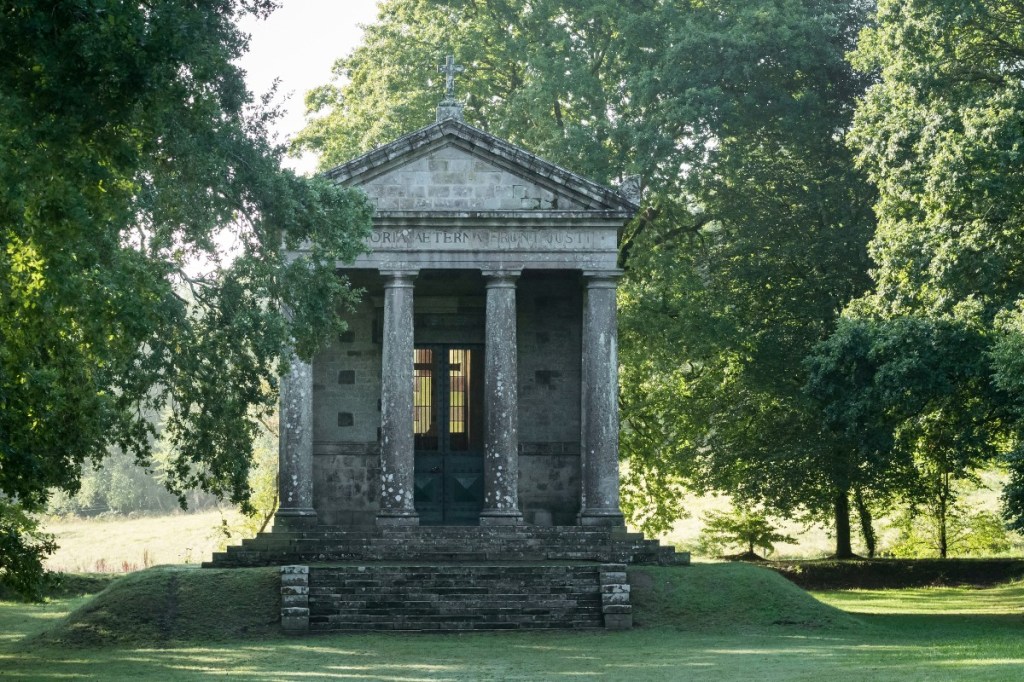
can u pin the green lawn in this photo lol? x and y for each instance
(711, 622)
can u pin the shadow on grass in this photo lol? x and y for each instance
(894, 647)
(991, 651)
(724, 623)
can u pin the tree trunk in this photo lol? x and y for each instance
(943, 513)
(866, 527)
(844, 550)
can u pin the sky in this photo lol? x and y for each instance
(298, 44)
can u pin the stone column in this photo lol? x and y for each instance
(397, 475)
(501, 412)
(295, 453)
(600, 402)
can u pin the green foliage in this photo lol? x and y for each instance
(914, 392)
(23, 546)
(748, 529)
(940, 134)
(737, 271)
(545, 75)
(119, 485)
(263, 481)
(966, 534)
(142, 218)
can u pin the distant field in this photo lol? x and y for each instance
(112, 544)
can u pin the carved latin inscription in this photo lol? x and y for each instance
(412, 239)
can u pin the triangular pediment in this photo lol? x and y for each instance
(452, 166)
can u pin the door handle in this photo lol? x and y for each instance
(435, 470)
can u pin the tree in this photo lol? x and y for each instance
(940, 134)
(23, 547)
(745, 265)
(544, 75)
(133, 158)
(743, 527)
(916, 392)
(754, 230)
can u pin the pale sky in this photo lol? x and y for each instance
(298, 44)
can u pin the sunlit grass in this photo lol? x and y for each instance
(1000, 600)
(906, 635)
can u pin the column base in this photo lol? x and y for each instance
(294, 518)
(500, 517)
(397, 518)
(602, 517)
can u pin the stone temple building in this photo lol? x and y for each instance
(470, 411)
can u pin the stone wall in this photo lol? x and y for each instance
(346, 419)
(549, 329)
(346, 393)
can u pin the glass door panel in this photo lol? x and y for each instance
(448, 433)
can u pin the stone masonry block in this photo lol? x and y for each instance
(615, 589)
(294, 589)
(617, 609)
(295, 624)
(295, 570)
(618, 621)
(615, 599)
(613, 578)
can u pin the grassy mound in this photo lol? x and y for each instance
(730, 597)
(172, 604)
(168, 605)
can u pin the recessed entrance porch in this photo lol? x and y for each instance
(448, 434)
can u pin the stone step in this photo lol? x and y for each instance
(448, 544)
(464, 596)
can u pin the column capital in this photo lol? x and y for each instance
(500, 278)
(398, 278)
(595, 279)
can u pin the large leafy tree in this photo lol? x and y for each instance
(746, 262)
(143, 216)
(753, 234)
(940, 134)
(544, 75)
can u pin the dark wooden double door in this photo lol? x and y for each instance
(448, 425)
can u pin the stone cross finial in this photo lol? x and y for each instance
(449, 70)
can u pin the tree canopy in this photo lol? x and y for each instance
(133, 159)
(754, 229)
(940, 135)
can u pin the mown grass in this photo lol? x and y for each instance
(712, 621)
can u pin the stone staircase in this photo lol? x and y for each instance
(448, 544)
(454, 597)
